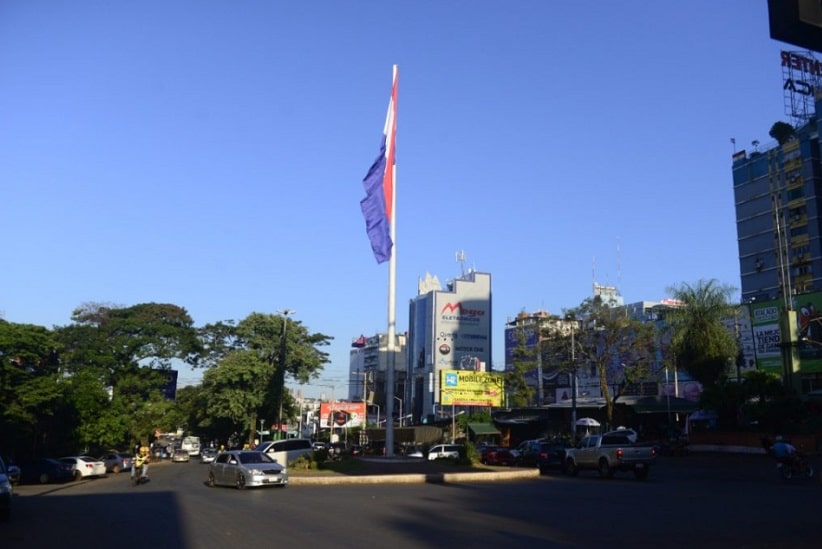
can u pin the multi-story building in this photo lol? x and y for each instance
(368, 364)
(449, 329)
(777, 192)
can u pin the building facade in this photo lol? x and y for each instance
(449, 329)
(777, 193)
(368, 364)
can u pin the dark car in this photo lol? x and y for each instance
(496, 455)
(44, 471)
(551, 456)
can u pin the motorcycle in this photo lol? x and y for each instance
(795, 467)
(139, 475)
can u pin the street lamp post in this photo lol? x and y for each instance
(378, 415)
(262, 428)
(281, 373)
(453, 424)
(400, 400)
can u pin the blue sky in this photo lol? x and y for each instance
(210, 154)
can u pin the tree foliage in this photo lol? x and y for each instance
(782, 132)
(702, 345)
(621, 349)
(520, 392)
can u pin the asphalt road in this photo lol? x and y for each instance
(693, 501)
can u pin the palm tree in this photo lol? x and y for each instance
(700, 341)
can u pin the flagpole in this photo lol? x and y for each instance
(392, 291)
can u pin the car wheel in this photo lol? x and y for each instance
(571, 468)
(78, 475)
(240, 482)
(211, 482)
(605, 470)
(44, 478)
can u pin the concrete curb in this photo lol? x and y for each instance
(429, 478)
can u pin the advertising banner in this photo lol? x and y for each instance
(342, 414)
(766, 335)
(467, 388)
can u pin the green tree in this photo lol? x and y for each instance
(299, 355)
(31, 394)
(700, 342)
(237, 388)
(520, 392)
(125, 351)
(620, 349)
(782, 132)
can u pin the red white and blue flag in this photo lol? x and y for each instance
(378, 204)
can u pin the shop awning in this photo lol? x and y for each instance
(483, 429)
(658, 404)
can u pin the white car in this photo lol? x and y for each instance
(444, 451)
(85, 466)
(207, 455)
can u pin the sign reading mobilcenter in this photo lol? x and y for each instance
(467, 388)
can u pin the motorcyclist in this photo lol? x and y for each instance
(783, 450)
(141, 460)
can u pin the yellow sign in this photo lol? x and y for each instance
(471, 388)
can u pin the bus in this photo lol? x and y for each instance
(191, 445)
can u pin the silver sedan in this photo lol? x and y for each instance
(246, 468)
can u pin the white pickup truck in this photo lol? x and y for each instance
(609, 453)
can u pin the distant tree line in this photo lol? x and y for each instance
(98, 382)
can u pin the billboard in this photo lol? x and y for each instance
(467, 388)
(767, 339)
(766, 335)
(342, 414)
(169, 388)
(797, 22)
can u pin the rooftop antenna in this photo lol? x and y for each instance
(619, 267)
(461, 261)
(594, 270)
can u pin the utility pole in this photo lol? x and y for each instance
(281, 372)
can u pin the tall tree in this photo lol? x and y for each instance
(702, 345)
(127, 351)
(520, 392)
(30, 390)
(285, 346)
(621, 349)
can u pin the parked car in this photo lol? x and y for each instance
(496, 455)
(551, 455)
(117, 462)
(44, 471)
(207, 455)
(6, 493)
(246, 468)
(444, 451)
(318, 445)
(180, 456)
(414, 452)
(85, 466)
(525, 452)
